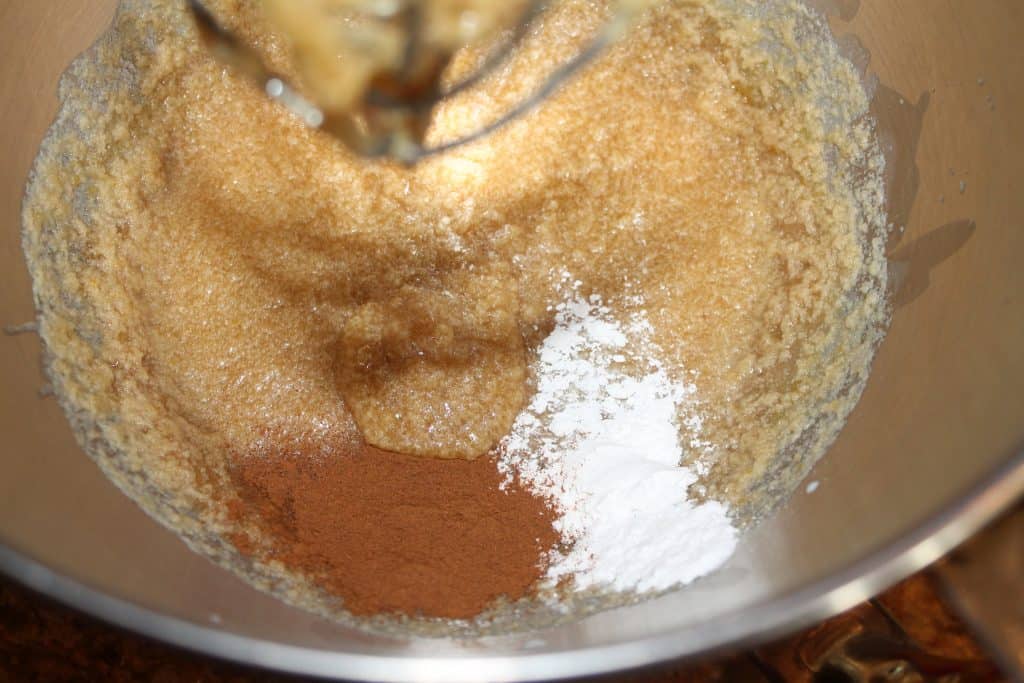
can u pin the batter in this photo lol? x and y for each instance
(216, 282)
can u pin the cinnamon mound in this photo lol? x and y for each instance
(396, 533)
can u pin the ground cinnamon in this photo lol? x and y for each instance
(391, 533)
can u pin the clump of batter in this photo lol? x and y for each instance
(214, 279)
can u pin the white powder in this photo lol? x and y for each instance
(601, 439)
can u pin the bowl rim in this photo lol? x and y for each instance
(915, 549)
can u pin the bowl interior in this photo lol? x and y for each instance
(931, 451)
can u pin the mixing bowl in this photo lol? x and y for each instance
(932, 451)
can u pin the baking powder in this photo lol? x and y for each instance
(601, 440)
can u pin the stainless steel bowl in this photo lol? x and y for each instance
(932, 451)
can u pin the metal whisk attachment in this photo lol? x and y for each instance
(378, 97)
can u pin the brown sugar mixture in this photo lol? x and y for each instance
(238, 313)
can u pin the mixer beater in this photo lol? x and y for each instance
(373, 71)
